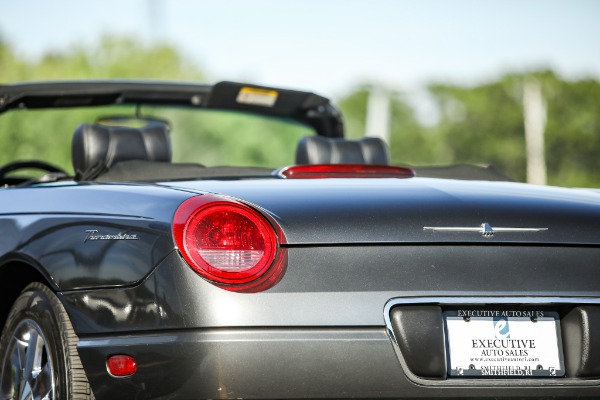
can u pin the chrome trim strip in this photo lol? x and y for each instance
(454, 301)
(485, 229)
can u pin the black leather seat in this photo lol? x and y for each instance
(96, 148)
(322, 150)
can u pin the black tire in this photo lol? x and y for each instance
(38, 350)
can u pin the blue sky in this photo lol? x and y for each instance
(330, 45)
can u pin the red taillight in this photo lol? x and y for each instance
(319, 171)
(121, 365)
(223, 240)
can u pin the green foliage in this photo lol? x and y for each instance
(484, 125)
(481, 124)
(354, 110)
(110, 58)
(47, 134)
(573, 133)
(42, 134)
(210, 138)
(227, 138)
(409, 143)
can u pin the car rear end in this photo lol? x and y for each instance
(358, 299)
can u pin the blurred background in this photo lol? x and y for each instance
(509, 83)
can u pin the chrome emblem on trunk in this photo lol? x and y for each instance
(485, 229)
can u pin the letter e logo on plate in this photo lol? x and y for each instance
(501, 330)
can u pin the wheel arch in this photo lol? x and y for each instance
(15, 275)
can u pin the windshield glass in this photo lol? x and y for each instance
(210, 138)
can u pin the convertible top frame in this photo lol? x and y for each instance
(304, 107)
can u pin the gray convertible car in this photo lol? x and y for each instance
(341, 276)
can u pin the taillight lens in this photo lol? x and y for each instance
(223, 240)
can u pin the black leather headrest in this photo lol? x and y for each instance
(98, 147)
(322, 150)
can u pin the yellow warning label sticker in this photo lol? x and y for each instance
(257, 97)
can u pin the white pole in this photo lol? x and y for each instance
(378, 114)
(534, 111)
(155, 18)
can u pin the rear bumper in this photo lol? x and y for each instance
(193, 340)
(285, 363)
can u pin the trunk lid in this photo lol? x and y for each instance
(393, 211)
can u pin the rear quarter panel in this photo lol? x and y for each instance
(88, 236)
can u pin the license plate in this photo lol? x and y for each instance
(503, 343)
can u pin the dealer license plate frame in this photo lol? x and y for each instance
(470, 354)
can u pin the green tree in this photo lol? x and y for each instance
(409, 141)
(111, 57)
(484, 125)
(35, 134)
(481, 125)
(11, 69)
(210, 139)
(573, 133)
